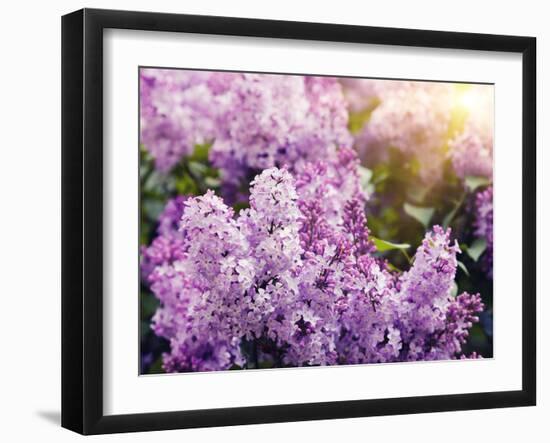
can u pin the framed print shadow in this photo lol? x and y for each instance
(268, 221)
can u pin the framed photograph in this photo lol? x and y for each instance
(269, 221)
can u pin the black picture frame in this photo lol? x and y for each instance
(82, 218)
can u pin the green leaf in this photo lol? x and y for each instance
(472, 183)
(212, 182)
(357, 120)
(380, 173)
(449, 218)
(149, 305)
(153, 182)
(145, 328)
(390, 215)
(414, 166)
(266, 364)
(185, 185)
(365, 176)
(200, 154)
(451, 215)
(197, 169)
(152, 208)
(477, 336)
(156, 367)
(384, 245)
(239, 206)
(463, 267)
(418, 193)
(393, 268)
(421, 214)
(477, 248)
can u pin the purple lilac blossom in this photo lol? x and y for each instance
(177, 111)
(484, 226)
(167, 246)
(278, 120)
(433, 324)
(255, 121)
(331, 184)
(196, 314)
(289, 273)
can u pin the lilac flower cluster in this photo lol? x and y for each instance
(166, 247)
(484, 226)
(416, 118)
(295, 282)
(412, 117)
(177, 110)
(255, 121)
(274, 120)
(431, 314)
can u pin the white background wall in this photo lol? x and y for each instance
(30, 219)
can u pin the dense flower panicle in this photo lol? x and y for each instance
(177, 111)
(291, 283)
(328, 108)
(484, 226)
(461, 315)
(168, 245)
(278, 120)
(425, 297)
(271, 223)
(198, 314)
(255, 121)
(185, 320)
(163, 249)
(368, 315)
(212, 238)
(355, 225)
(434, 324)
(169, 218)
(414, 118)
(433, 271)
(471, 150)
(332, 184)
(315, 230)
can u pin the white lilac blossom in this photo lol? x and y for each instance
(292, 283)
(483, 225)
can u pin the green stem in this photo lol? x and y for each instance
(453, 213)
(407, 256)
